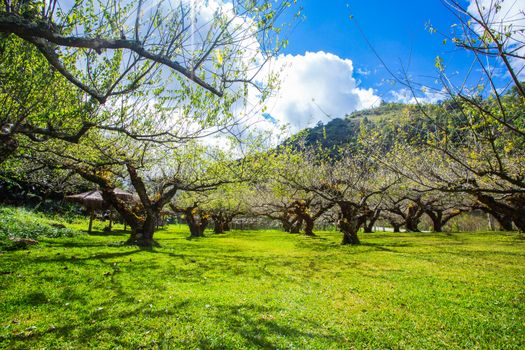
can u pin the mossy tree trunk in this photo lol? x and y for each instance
(196, 219)
(349, 222)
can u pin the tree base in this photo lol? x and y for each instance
(350, 239)
(192, 236)
(142, 243)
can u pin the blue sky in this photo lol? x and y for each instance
(330, 70)
(396, 29)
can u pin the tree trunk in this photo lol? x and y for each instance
(196, 224)
(350, 238)
(437, 219)
(505, 223)
(91, 217)
(195, 230)
(413, 217)
(520, 223)
(411, 224)
(490, 219)
(142, 235)
(506, 212)
(287, 225)
(397, 227)
(296, 226)
(349, 223)
(218, 226)
(368, 226)
(437, 225)
(309, 227)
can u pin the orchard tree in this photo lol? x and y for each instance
(196, 218)
(277, 208)
(407, 210)
(227, 202)
(279, 199)
(156, 173)
(442, 207)
(221, 204)
(476, 142)
(107, 48)
(349, 181)
(65, 66)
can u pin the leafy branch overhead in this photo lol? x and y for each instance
(132, 39)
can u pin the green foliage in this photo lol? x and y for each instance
(386, 110)
(18, 223)
(345, 132)
(266, 289)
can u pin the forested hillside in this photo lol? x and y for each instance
(346, 130)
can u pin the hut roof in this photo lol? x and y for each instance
(90, 200)
(94, 200)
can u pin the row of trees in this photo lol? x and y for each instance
(130, 96)
(115, 93)
(466, 153)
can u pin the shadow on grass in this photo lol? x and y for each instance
(109, 234)
(259, 326)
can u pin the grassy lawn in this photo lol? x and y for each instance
(266, 289)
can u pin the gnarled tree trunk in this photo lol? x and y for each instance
(219, 222)
(302, 214)
(296, 225)
(513, 209)
(196, 219)
(440, 218)
(413, 217)
(349, 223)
(142, 216)
(368, 226)
(142, 234)
(396, 226)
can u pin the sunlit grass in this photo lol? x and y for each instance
(266, 289)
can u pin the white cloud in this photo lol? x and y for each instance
(426, 95)
(316, 86)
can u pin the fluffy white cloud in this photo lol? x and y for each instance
(316, 86)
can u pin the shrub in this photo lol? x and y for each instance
(17, 225)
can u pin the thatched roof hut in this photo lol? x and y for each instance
(90, 200)
(93, 200)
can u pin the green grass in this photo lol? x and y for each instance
(19, 223)
(266, 289)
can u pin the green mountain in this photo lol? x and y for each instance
(345, 131)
